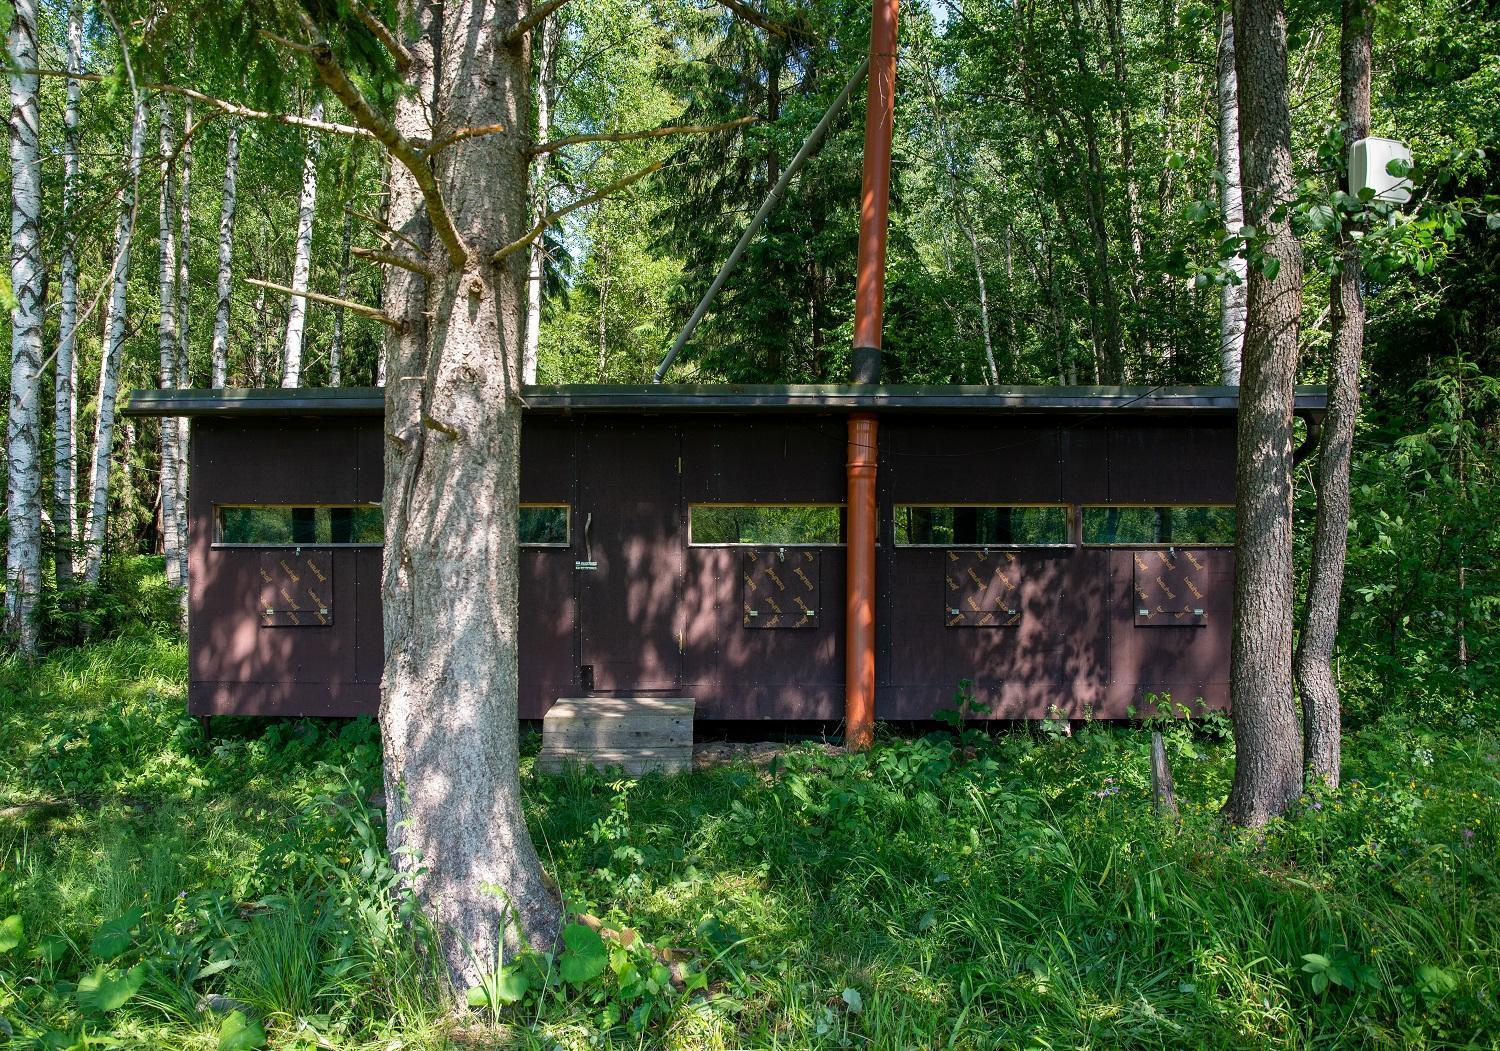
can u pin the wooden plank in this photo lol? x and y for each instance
(627, 735)
(636, 734)
(570, 707)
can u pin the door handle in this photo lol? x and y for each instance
(588, 544)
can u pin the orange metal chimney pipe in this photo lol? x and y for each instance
(869, 307)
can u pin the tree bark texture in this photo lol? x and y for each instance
(1314, 664)
(219, 352)
(23, 486)
(448, 697)
(167, 349)
(65, 383)
(296, 313)
(1231, 197)
(1268, 749)
(114, 344)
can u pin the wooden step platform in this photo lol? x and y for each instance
(637, 734)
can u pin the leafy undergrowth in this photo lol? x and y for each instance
(951, 891)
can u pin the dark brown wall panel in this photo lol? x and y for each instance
(1172, 464)
(658, 616)
(959, 461)
(628, 607)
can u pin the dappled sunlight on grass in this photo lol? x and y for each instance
(941, 892)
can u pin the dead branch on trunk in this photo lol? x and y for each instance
(755, 18)
(225, 106)
(375, 255)
(632, 136)
(583, 202)
(361, 309)
(336, 80)
(459, 135)
(533, 19)
(382, 32)
(384, 229)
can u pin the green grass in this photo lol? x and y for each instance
(1019, 895)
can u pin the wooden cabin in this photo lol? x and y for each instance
(1066, 550)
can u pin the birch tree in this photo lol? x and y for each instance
(1231, 198)
(65, 384)
(23, 511)
(296, 320)
(336, 344)
(168, 348)
(114, 344)
(219, 350)
(546, 99)
(1268, 752)
(1314, 662)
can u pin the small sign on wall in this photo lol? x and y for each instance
(781, 588)
(296, 589)
(981, 589)
(1170, 588)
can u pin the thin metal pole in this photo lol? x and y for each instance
(813, 139)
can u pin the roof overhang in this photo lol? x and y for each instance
(674, 399)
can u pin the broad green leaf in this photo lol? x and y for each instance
(584, 957)
(113, 938)
(511, 984)
(11, 934)
(477, 996)
(52, 947)
(107, 989)
(1270, 266)
(238, 1033)
(854, 1000)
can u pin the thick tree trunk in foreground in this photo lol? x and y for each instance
(167, 348)
(109, 360)
(23, 488)
(296, 314)
(1231, 197)
(65, 385)
(448, 697)
(219, 352)
(1314, 667)
(1268, 749)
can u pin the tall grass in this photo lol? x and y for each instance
(937, 893)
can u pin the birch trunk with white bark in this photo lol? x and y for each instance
(1232, 296)
(167, 349)
(547, 34)
(184, 291)
(219, 352)
(448, 713)
(23, 488)
(65, 384)
(114, 344)
(336, 345)
(296, 316)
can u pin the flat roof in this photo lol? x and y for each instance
(673, 398)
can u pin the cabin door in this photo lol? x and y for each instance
(629, 544)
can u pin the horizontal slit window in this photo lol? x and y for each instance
(543, 525)
(1202, 526)
(331, 525)
(959, 525)
(766, 524)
